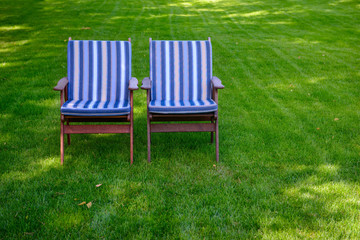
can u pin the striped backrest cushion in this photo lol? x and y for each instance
(99, 70)
(180, 70)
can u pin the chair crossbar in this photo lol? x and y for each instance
(76, 129)
(183, 127)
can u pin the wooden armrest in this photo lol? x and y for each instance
(146, 83)
(61, 84)
(217, 83)
(133, 84)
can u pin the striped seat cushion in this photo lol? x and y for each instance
(180, 72)
(99, 74)
(196, 106)
(96, 108)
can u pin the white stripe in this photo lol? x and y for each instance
(158, 73)
(167, 71)
(95, 73)
(113, 72)
(122, 71)
(85, 73)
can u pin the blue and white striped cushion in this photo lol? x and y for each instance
(180, 72)
(99, 74)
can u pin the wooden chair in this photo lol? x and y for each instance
(98, 88)
(181, 88)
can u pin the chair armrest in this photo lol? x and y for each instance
(146, 83)
(133, 84)
(61, 84)
(217, 83)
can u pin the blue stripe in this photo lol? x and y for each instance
(68, 64)
(99, 59)
(71, 75)
(86, 70)
(190, 56)
(153, 60)
(127, 72)
(69, 67)
(130, 55)
(108, 88)
(163, 73)
(117, 73)
(117, 103)
(81, 72)
(208, 68)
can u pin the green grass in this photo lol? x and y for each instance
(288, 169)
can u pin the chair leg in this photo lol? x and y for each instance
(131, 140)
(68, 135)
(62, 143)
(217, 139)
(148, 139)
(212, 135)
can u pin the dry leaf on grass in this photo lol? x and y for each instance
(99, 185)
(89, 204)
(336, 119)
(80, 204)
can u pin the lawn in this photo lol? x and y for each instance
(289, 125)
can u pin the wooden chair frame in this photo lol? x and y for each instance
(68, 129)
(212, 118)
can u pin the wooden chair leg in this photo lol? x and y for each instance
(212, 135)
(62, 143)
(148, 139)
(131, 140)
(68, 135)
(217, 139)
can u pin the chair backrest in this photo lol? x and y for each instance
(180, 70)
(99, 70)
